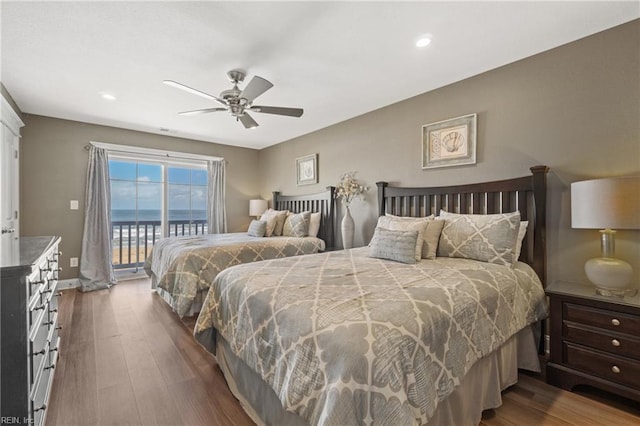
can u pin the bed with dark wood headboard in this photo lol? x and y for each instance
(183, 268)
(368, 336)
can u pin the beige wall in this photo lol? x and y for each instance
(53, 168)
(575, 108)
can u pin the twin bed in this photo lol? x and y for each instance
(350, 337)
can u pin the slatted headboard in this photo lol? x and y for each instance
(323, 202)
(527, 194)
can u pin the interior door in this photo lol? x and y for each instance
(9, 195)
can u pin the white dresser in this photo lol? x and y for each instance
(29, 326)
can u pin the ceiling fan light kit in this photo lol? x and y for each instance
(238, 102)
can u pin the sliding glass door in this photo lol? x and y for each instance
(151, 200)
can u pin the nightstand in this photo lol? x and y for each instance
(595, 340)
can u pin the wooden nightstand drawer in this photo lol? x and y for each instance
(610, 367)
(602, 318)
(617, 344)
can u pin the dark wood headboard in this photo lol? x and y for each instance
(323, 202)
(527, 194)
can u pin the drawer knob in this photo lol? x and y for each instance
(615, 321)
(39, 352)
(615, 342)
(59, 327)
(42, 407)
(615, 369)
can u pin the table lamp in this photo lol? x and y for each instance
(257, 207)
(607, 204)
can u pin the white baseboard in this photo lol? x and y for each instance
(68, 284)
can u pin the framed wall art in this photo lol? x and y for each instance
(449, 142)
(307, 169)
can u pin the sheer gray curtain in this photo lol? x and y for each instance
(96, 271)
(216, 208)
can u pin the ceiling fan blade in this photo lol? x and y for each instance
(193, 91)
(291, 112)
(247, 121)
(256, 87)
(202, 111)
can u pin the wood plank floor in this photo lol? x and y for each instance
(126, 359)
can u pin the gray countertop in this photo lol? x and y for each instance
(24, 252)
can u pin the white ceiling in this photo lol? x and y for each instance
(337, 60)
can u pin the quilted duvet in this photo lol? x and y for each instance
(186, 266)
(346, 339)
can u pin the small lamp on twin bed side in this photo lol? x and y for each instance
(606, 204)
(257, 207)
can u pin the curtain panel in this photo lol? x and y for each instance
(96, 271)
(216, 204)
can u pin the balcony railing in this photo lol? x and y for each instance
(132, 240)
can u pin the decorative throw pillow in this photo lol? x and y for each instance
(394, 245)
(489, 238)
(517, 248)
(314, 224)
(275, 221)
(431, 234)
(270, 218)
(281, 216)
(257, 228)
(297, 225)
(395, 224)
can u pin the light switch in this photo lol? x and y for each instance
(73, 205)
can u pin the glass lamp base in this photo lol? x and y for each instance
(616, 292)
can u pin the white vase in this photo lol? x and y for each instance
(347, 230)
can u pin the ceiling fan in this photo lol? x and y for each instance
(239, 102)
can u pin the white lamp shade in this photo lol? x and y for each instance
(257, 207)
(606, 203)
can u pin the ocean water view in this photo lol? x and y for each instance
(127, 215)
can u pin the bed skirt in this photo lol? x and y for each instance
(479, 390)
(196, 306)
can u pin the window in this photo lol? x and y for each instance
(152, 199)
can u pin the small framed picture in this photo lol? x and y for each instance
(449, 143)
(307, 169)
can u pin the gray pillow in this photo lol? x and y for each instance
(489, 238)
(297, 225)
(394, 245)
(257, 228)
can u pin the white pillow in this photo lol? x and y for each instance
(395, 224)
(314, 224)
(431, 233)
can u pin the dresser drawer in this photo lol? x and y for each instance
(602, 318)
(618, 344)
(617, 369)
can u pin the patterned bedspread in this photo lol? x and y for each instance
(186, 266)
(347, 339)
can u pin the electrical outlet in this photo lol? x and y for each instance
(73, 204)
(73, 262)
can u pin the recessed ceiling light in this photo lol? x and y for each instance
(107, 96)
(423, 41)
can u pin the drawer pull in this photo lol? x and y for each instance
(37, 308)
(55, 310)
(39, 352)
(615, 321)
(615, 342)
(38, 282)
(58, 294)
(42, 407)
(59, 327)
(615, 369)
(52, 366)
